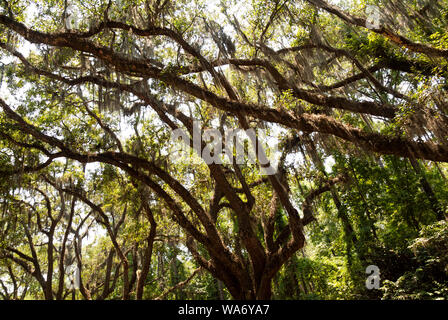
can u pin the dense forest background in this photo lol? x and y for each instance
(93, 205)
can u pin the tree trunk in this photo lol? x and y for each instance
(426, 187)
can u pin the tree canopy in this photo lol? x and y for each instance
(96, 204)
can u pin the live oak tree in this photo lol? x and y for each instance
(105, 92)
